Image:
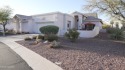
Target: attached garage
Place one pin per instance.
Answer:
(41, 24)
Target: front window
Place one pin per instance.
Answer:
(69, 25)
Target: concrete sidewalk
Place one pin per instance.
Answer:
(34, 60)
(9, 60)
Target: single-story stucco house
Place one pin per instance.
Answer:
(117, 24)
(88, 24)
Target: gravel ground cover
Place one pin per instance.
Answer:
(84, 54)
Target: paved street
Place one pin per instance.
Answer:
(9, 60)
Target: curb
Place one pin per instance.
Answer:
(34, 60)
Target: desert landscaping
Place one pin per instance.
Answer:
(85, 54)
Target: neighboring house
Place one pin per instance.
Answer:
(85, 22)
(117, 24)
(10, 25)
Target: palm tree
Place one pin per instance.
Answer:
(4, 17)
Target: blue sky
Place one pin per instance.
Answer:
(31, 7)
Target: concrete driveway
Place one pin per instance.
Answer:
(9, 60)
(13, 62)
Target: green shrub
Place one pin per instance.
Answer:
(124, 35)
(40, 37)
(1, 33)
(34, 37)
(117, 34)
(25, 32)
(38, 41)
(51, 37)
(115, 37)
(72, 35)
(10, 32)
(50, 29)
(27, 39)
(110, 30)
(55, 44)
(18, 32)
(105, 26)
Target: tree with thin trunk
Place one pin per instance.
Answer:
(113, 8)
(5, 13)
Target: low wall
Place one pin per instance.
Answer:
(89, 33)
